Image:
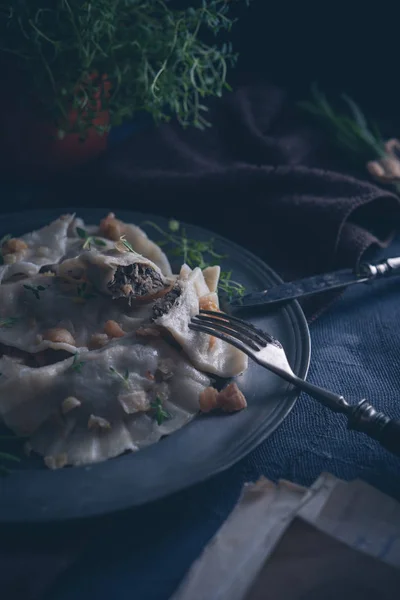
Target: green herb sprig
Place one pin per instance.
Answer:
(160, 414)
(350, 130)
(123, 376)
(195, 254)
(230, 287)
(83, 292)
(35, 289)
(125, 243)
(8, 321)
(77, 364)
(124, 56)
(5, 456)
(89, 239)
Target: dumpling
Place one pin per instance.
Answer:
(106, 295)
(211, 277)
(189, 294)
(47, 312)
(67, 237)
(84, 237)
(110, 231)
(118, 274)
(142, 244)
(138, 239)
(24, 256)
(101, 403)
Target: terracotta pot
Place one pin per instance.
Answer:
(29, 143)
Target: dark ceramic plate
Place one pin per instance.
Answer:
(208, 445)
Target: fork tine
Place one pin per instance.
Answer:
(255, 334)
(253, 340)
(266, 337)
(222, 336)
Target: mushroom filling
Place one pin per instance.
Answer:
(163, 305)
(136, 280)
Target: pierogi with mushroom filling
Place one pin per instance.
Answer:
(127, 275)
(65, 237)
(87, 409)
(24, 256)
(49, 312)
(112, 232)
(174, 311)
(114, 229)
(96, 353)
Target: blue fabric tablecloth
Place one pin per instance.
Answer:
(143, 554)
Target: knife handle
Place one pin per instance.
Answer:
(390, 266)
(363, 417)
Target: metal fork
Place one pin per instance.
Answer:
(269, 353)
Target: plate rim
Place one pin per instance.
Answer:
(302, 338)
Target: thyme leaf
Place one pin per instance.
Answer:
(196, 253)
(92, 240)
(173, 225)
(126, 243)
(83, 292)
(5, 456)
(82, 233)
(123, 376)
(8, 322)
(350, 129)
(35, 289)
(231, 288)
(160, 414)
(77, 364)
(89, 239)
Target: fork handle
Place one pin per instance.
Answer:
(363, 417)
(360, 417)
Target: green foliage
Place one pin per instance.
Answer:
(350, 129)
(196, 254)
(124, 377)
(77, 363)
(89, 239)
(160, 414)
(136, 55)
(8, 321)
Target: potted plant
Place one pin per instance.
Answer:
(75, 68)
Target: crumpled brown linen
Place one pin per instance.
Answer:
(258, 176)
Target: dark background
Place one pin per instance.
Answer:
(347, 47)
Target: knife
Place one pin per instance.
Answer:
(309, 286)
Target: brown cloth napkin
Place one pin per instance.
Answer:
(258, 177)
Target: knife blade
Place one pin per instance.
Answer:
(316, 284)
